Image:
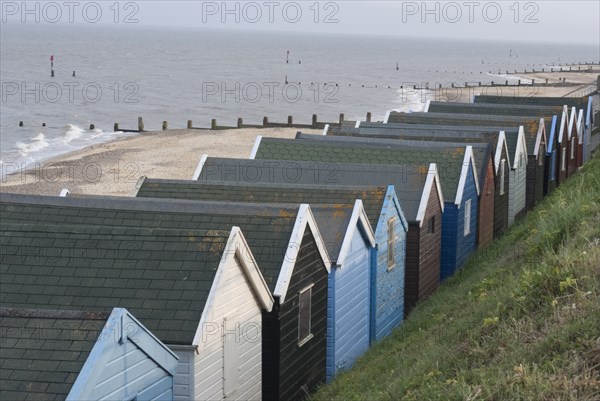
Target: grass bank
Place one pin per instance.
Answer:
(521, 321)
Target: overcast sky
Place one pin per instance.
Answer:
(549, 21)
(537, 21)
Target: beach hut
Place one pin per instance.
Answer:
(198, 290)
(517, 156)
(484, 162)
(73, 355)
(381, 203)
(534, 132)
(583, 103)
(571, 147)
(578, 135)
(350, 240)
(420, 197)
(551, 114)
(448, 134)
(289, 252)
(459, 181)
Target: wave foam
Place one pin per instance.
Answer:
(72, 132)
(35, 144)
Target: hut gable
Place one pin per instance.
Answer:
(77, 353)
(159, 263)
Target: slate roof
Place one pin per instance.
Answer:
(162, 275)
(418, 132)
(579, 102)
(407, 179)
(43, 351)
(495, 109)
(530, 124)
(442, 132)
(333, 221)
(368, 151)
(482, 149)
(267, 229)
(372, 197)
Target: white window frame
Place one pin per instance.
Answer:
(467, 221)
(302, 341)
(563, 160)
(391, 244)
(502, 175)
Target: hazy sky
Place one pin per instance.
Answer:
(540, 21)
(553, 21)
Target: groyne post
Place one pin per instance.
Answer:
(265, 121)
(314, 121)
(189, 124)
(368, 116)
(240, 122)
(213, 123)
(290, 120)
(165, 125)
(116, 127)
(341, 118)
(140, 124)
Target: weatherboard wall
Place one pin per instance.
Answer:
(487, 199)
(501, 200)
(228, 364)
(288, 368)
(423, 254)
(456, 246)
(518, 188)
(389, 281)
(126, 362)
(348, 307)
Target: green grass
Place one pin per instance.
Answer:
(521, 321)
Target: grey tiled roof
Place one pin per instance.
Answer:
(369, 151)
(43, 351)
(579, 102)
(372, 197)
(266, 228)
(530, 124)
(333, 221)
(408, 179)
(482, 149)
(495, 109)
(162, 275)
(440, 132)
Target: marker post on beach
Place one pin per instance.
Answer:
(52, 66)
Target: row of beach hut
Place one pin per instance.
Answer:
(263, 278)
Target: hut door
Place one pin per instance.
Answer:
(231, 353)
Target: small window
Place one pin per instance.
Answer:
(391, 260)
(502, 175)
(304, 316)
(431, 225)
(573, 148)
(563, 159)
(468, 217)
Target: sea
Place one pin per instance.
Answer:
(104, 75)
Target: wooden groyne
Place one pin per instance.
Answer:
(266, 123)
